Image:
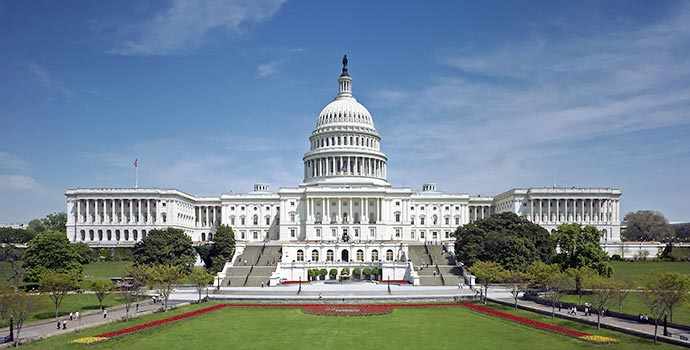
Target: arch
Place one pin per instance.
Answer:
(135, 235)
(126, 235)
(100, 235)
(109, 235)
(314, 255)
(143, 234)
(345, 255)
(374, 255)
(389, 255)
(117, 235)
(300, 255)
(203, 236)
(255, 220)
(210, 236)
(360, 255)
(91, 235)
(83, 235)
(329, 255)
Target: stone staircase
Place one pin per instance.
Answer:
(434, 266)
(254, 266)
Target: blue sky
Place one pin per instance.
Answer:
(213, 96)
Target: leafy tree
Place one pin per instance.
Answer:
(366, 272)
(332, 274)
(57, 285)
(201, 279)
(15, 235)
(165, 247)
(136, 278)
(50, 251)
(312, 273)
(507, 239)
(15, 305)
(675, 288)
(647, 225)
(682, 232)
(579, 275)
(603, 291)
(164, 278)
(13, 255)
(550, 278)
(345, 273)
(487, 272)
(654, 296)
(36, 226)
(356, 273)
(539, 274)
(101, 288)
(84, 253)
(623, 289)
(322, 274)
(223, 247)
(56, 222)
(579, 247)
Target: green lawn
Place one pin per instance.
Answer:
(442, 328)
(639, 272)
(106, 269)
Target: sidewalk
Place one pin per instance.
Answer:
(623, 325)
(47, 328)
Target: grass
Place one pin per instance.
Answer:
(106, 269)
(634, 305)
(639, 271)
(433, 328)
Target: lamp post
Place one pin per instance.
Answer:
(299, 290)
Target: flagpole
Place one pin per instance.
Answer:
(136, 177)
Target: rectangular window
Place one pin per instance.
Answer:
(447, 234)
(412, 234)
(318, 232)
(356, 232)
(372, 232)
(397, 233)
(242, 234)
(334, 232)
(292, 232)
(255, 235)
(421, 234)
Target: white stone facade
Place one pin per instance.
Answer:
(345, 200)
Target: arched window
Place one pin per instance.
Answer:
(268, 220)
(447, 220)
(100, 235)
(91, 235)
(143, 234)
(314, 255)
(345, 218)
(242, 220)
(397, 216)
(255, 220)
(126, 235)
(117, 235)
(232, 220)
(135, 235)
(300, 255)
(412, 220)
(374, 255)
(203, 236)
(360, 255)
(435, 219)
(421, 220)
(329, 255)
(109, 235)
(389, 255)
(83, 235)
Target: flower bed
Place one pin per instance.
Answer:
(347, 310)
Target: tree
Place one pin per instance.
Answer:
(13, 255)
(56, 222)
(647, 225)
(322, 274)
(136, 278)
(366, 273)
(623, 289)
(164, 278)
(487, 272)
(356, 273)
(15, 235)
(549, 278)
(603, 291)
(57, 285)
(101, 288)
(676, 287)
(15, 305)
(201, 279)
(50, 251)
(223, 248)
(345, 273)
(506, 238)
(332, 274)
(579, 275)
(165, 247)
(579, 246)
(518, 283)
(84, 253)
(654, 297)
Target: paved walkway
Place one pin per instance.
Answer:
(646, 328)
(47, 328)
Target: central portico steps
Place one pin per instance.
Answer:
(434, 267)
(254, 266)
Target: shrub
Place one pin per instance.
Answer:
(616, 257)
(322, 274)
(366, 272)
(345, 273)
(332, 274)
(356, 273)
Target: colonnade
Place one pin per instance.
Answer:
(347, 210)
(116, 211)
(207, 215)
(345, 166)
(479, 212)
(582, 210)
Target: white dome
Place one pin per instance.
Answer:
(345, 110)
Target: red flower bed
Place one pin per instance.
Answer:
(526, 321)
(347, 310)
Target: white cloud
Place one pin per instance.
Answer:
(47, 81)
(11, 163)
(186, 23)
(18, 183)
(266, 70)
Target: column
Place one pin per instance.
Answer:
(366, 210)
(326, 211)
(339, 219)
(138, 211)
(591, 210)
(531, 210)
(350, 216)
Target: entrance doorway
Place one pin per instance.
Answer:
(345, 256)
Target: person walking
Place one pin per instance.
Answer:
(137, 307)
(71, 316)
(58, 324)
(76, 315)
(105, 313)
(64, 324)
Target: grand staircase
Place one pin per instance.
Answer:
(254, 266)
(434, 267)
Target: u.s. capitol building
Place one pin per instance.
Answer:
(344, 213)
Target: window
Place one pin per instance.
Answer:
(83, 235)
(457, 220)
(318, 232)
(374, 255)
(412, 234)
(135, 235)
(300, 255)
(243, 234)
(203, 236)
(232, 220)
(292, 233)
(255, 235)
(292, 217)
(372, 232)
(447, 234)
(397, 217)
(126, 235)
(255, 220)
(334, 232)
(329, 255)
(447, 220)
(411, 220)
(360, 255)
(421, 234)
(434, 235)
(356, 232)
(314, 255)
(210, 236)
(397, 233)
(435, 219)
(109, 234)
(389, 255)
(268, 220)
(242, 220)
(421, 220)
